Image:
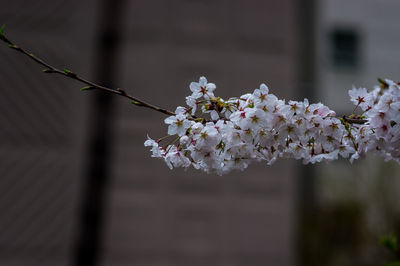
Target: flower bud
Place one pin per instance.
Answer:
(184, 140)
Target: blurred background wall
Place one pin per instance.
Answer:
(77, 187)
(43, 131)
(356, 42)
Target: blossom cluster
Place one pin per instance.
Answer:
(217, 135)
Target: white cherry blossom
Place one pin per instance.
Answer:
(178, 124)
(362, 98)
(202, 89)
(260, 127)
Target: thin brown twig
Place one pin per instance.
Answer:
(93, 86)
(90, 85)
(354, 120)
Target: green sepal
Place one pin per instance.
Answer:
(2, 36)
(383, 83)
(135, 102)
(13, 46)
(2, 29)
(69, 72)
(86, 88)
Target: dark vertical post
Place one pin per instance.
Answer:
(306, 71)
(307, 46)
(88, 244)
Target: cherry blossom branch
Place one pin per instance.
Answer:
(354, 120)
(217, 135)
(90, 85)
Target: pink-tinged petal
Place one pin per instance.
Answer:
(208, 95)
(180, 110)
(211, 87)
(172, 129)
(149, 142)
(202, 82)
(214, 115)
(194, 86)
(264, 88)
(181, 131)
(197, 94)
(170, 120)
(187, 123)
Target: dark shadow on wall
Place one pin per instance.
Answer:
(101, 135)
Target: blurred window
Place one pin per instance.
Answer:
(345, 47)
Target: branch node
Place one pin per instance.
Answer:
(121, 91)
(15, 47)
(69, 73)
